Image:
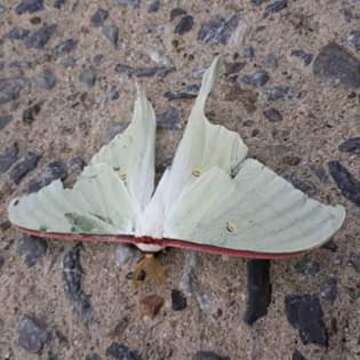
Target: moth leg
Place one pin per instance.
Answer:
(149, 268)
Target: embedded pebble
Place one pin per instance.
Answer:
(26, 165)
(46, 80)
(8, 157)
(232, 69)
(351, 145)
(111, 32)
(354, 39)
(99, 17)
(178, 300)
(2, 262)
(304, 313)
(65, 47)
(53, 171)
(58, 4)
(88, 77)
(247, 97)
(303, 55)
(328, 290)
(17, 33)
(169, 119)
(151, 305)
(355, 262)
(258, 78)
(271, 62)
(174, 13)
(335, 63)
(92, 356)
(33, 334)
(154, 6)
(218, 30)
(279, 92)
(5, 120)
(30, 113)
(208, 355)
(39, 38)
(275, 7)
(130, 3)
(72, 276)
(189, 92)
(118, 351)
(125, 254)
(297, 355)
(259, 290)
(160, 71)
(10, 88)
(31, 248)
(29, 6)
(307, 266)
(345, 181)
(273, 115)
(185, 24)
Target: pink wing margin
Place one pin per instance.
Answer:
(180, 244)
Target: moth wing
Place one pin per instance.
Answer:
(203, 144)
(132, 153)
(257, 211)
(99, 203)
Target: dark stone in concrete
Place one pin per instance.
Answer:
(8, 157)
(185, 24)
(29, 6)
(178, 300)
(118, 351)
(27, 164)
(31, 248)
(5, 120)
(39, 38)
(351, 145)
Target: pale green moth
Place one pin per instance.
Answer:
(211, 198)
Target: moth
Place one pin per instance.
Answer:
(212, 198)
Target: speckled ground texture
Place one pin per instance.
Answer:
(291, 88)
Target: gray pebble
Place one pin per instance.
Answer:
(33, 334)
(258, 78)
(5, 120)
(271, 62)
(130, 3)
(2, 8)
(345, 181)
(335, 63)
(232, 69)
(307, 266)
(118, 351)
(185, 24)
(8, 157)
(26, 165)
(2, 262)
(75, 165)
(30, 113)
(249, 52)
(178, 300)
(279, 92)
(274, 7)
(258, 2)
(328, 290)
(10, 88)
(218, 30)
(304, 313)
(93, 356)
(29, 6)
(31, 248)
(17, 33)
(273, 115)
(125, 254)
(176, 12)
(189, 92)
(351, 145)
(39, 38)
(114, 93)
(65, 47)
(88, 77)
(46, 80)
(355, 262)
(72, 276)
(58, 4)
(208, 355)
(169, 119)
(111, 32)
(154, 6)
(53, 171)
(303, 55)
(297, 355)
(354, 39)
(160, 71)
(99, 17)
